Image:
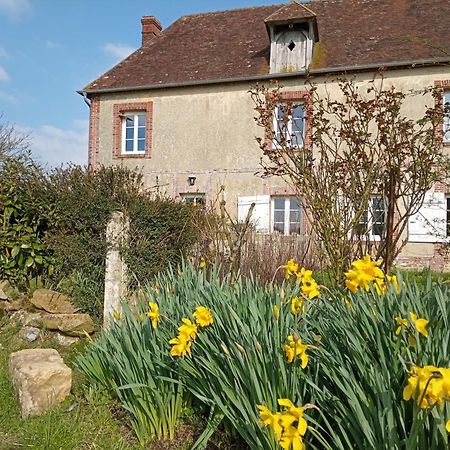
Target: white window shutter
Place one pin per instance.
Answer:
(430, 222)
(261, 212)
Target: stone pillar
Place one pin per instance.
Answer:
(115, 271)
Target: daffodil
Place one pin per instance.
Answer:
(153, 314)
(116, 315)
(420, 324)
(181, 345)
(291, 437)
(290, 268)
(202, 263)
(203, 316)
(296, 348)
(271, 420)
(362, 273)
(402, 323)
(310, 289)
(188, 328)
(297, 305)
(392, 280)
(447, 426)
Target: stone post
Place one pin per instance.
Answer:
(115, 269)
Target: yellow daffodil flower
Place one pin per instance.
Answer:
(290, 268)
(153, 314)
(296, 348)
(188, 328)
(297, 305)
(203, 316)
(392, 280)
(420, 324)
(202, 263)
(116, 315)
(310, 289)
(447, 426)
(402, 323)
(181, 345)
(270, 420)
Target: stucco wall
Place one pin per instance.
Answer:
(209, 132)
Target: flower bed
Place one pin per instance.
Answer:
(288, 367)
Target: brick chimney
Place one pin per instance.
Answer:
(151, 27)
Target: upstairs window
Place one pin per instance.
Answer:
(289, 126)
(286, 215)
(134, 129)
(446, 130)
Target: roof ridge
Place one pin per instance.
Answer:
(236, 9)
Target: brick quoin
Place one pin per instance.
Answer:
(119, 110)
(94, 132)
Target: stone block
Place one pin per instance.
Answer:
(52, 302)
(72, 324)
(40, 379)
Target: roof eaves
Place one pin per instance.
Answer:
(273, 76)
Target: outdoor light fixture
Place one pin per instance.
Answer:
(191, 180)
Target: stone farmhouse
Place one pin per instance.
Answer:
(178, 108)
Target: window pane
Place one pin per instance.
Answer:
(141, 133)
(142, 118)
(295, 216)
(295, 204)
(129, 146)
(279, 227)
(129, 133)
(294, 228)
(141, 145)
(130, 121)
(279, 216)
(279, 203)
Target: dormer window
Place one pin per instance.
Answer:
(291, 48)
(293, 31)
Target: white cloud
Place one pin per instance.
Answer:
(4, 74)
(53, 146)
(15, 9)
(118, 51)
(50, 45)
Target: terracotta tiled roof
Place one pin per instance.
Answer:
(235, 43)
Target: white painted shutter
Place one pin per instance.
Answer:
(261, 212)
(430, 223)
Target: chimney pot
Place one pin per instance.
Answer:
(151, 27)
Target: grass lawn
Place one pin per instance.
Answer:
(91, 425)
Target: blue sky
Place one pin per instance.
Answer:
(49, 49)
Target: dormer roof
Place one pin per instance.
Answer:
(290, 13)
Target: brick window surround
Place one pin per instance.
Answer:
(443, 86)
(119, 110)
(304, 97)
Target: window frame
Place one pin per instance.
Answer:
(121, 110)
(446, 116)
(370, 221)
(287, 215)
(289, 125)
(187, 196)
(135, 115)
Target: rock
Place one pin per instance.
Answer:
(12, 305)
(6, 290)
(25, 318)
(40, 379)
(71, 324)
(65, 341)
(52, 302)
(29, 334)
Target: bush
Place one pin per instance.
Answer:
(160, 229)
(357, 371)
